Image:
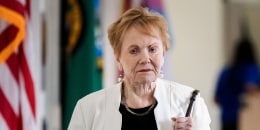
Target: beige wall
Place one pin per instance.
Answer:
(250, 14)
(197, 52)
(253, 15)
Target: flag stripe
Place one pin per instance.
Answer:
(20, 120)
(19, 21)
(7, 112)
(29, 122)
(12, 63)
(3, 125)
(9, 87)
(27, 8)
(28, 82)
(7, 36)
(13, 5)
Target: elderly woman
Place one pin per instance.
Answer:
(141, 100)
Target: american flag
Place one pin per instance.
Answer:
(17, 89)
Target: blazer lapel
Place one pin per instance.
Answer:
(165, 109)
(113, 118)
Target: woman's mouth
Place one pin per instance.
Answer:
(145, 70)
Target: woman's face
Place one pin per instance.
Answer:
(141, 56)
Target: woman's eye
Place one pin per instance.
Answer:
(153, 50)
(133, 51)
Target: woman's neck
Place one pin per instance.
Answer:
(138, 95)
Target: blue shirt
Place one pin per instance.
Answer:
(230, 87)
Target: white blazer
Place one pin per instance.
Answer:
(100, 110)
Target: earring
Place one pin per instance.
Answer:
(121, 76)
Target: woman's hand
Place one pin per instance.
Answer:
(182, 123)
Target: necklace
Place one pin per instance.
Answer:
(140, 114)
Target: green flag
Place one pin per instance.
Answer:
(82, 74)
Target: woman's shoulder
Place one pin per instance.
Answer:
(92, 106)
(179, 94)
(176, 86)
(177, 89)
(99, 96)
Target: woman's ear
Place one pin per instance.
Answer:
(119, 65)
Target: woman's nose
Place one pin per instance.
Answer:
(145, 58)
(145, 61)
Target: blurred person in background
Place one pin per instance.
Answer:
(141, 100)
(235, 80)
